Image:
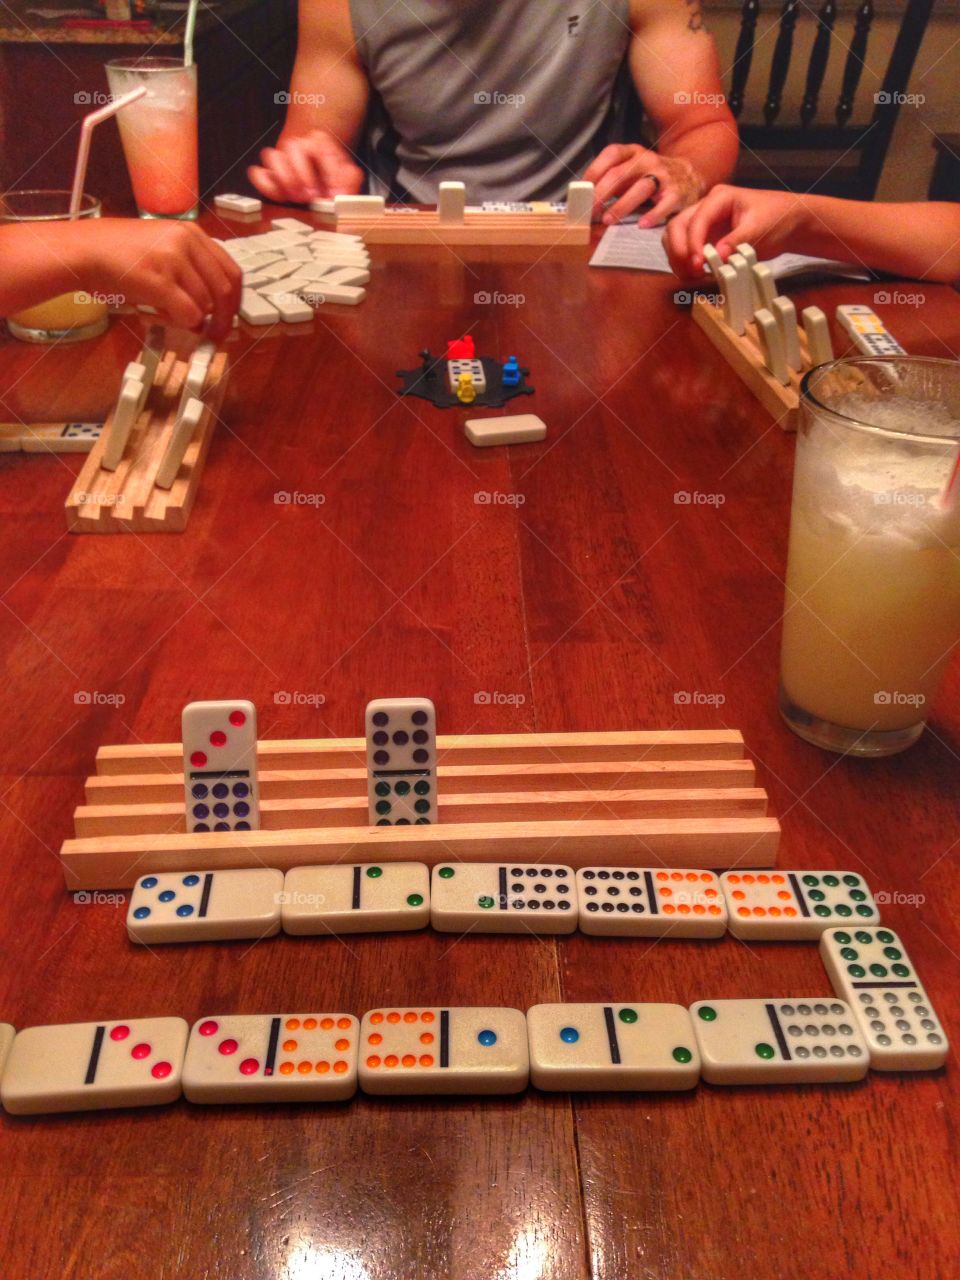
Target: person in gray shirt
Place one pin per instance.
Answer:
(510, 97)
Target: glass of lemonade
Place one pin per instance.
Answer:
(70, 316)
(159, 134)
(872, 609)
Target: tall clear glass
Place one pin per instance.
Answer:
(872, 610)
(159, 134)
(69, 317)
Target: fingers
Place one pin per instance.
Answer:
(223, 280)
(639, 193)
(710, 220)
(671, 199)
(615, 169)
(192, 283)
(315, 166)
(266, 183)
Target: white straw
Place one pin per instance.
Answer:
(188, 33)
(86, 132)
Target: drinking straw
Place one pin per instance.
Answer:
(90, 122)
(188, 33)
(947, 495)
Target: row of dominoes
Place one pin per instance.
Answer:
(451, 207)
(49, 437)
(480, 897)
(293, 268)
(881, 1018)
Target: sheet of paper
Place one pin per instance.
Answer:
(641, 249)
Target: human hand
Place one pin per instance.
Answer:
(728, 216)
(640, 176)
(171, 266)
(314, 166)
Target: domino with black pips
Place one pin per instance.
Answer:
(872, 970)
(364, 898)
(650, 902)
(487, 897)
(774, 905)
(457, 368)
(444, 1051)
(870, 335)
(59, 437)
(401, 736)
(612, 1047)
(272, 1057)
(220, 766)
(205, 906)
(92, 1066)
(808, 1040)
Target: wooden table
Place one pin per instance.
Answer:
(591, 599)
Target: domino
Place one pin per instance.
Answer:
(457, 368)
(871, 969)
(152, 353)
(715, 263)
(298, 253)
(257, 310)
(66, 437)
(785, 314)
(730, 292)
(292, 308)
(817, 329)
(184, 429)
(650, 902)
(519, 428)
(451, 202)
(267, 275)
(343, 295)
(771, 343)
(356, 276)
(364, 898)
(417, 1051)
(612, 1047)
(196, 378)
(7, 1034)
(870, 335)
(800, 1041)
(401, 761)
(347, 207)
(766, 286)
(337, 238)
(205, 906)
(220, 766)
(128, 408)
(237, 204)
(749, 256)
(580, 197)
(322, 206)
(743, 286)
(770, 905)
(272, 1057)
(91, 1066)
(484, 897)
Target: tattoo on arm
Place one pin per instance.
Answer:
(696, 21)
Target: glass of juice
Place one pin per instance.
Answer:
(159, 134)
(70, 316)
(872, 609)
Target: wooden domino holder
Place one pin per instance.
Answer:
(745, 356)
(423, 226)
(675, 798)
(144, 507)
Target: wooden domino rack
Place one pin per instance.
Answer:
(423, 226)
(745, 355)
(128, 499)
(677, 798)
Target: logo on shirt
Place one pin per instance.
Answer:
(573, 24)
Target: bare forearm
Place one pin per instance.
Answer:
(40, 262)
(921, 241)
(710, 148)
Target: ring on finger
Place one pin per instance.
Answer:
(652, 177)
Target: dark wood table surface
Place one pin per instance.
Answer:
(591, 598)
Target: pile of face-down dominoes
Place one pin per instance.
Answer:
(294, 268)
(880, 1017)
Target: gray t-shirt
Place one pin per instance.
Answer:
(508, 96)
